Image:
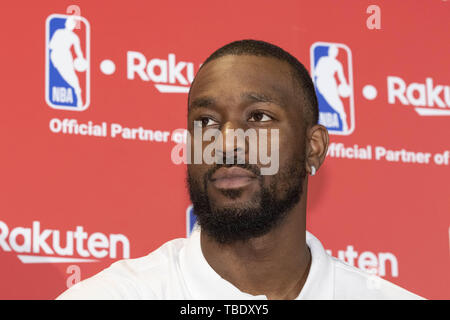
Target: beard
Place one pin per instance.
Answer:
(253, 218)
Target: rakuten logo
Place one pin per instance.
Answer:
(369, 261)
(36, 242)
(435, 98)
(169, 76)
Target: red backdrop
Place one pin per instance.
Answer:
(103, 198)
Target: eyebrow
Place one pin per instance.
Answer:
(258, 97)
(204, 102)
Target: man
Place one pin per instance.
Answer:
(251, 242)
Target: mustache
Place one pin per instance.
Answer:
(250, 167)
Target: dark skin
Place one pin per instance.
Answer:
(245, 92)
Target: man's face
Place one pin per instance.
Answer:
(235, 202)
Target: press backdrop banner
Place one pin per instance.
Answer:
(94, 99)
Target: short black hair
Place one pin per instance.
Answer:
(265, 49)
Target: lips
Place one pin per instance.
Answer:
(232, 178)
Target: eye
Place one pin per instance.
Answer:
(205, 122)
(260, 117)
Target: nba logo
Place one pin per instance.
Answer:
(191, 220)
(331, 71)
(67, 62)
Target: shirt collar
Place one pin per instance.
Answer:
(319, 284)
(204, 283)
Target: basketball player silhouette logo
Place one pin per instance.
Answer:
(333, 83)
(64, 68)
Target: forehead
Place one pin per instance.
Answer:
(229, 76)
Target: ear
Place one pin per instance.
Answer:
(316, 146)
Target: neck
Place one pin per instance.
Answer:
(274, 265)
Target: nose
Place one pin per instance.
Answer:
(232, 148)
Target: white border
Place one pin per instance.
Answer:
(350, 80)
(88, 59)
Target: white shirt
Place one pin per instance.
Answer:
(178, 270)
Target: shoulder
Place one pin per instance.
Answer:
(140, 278)
(356, 284)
